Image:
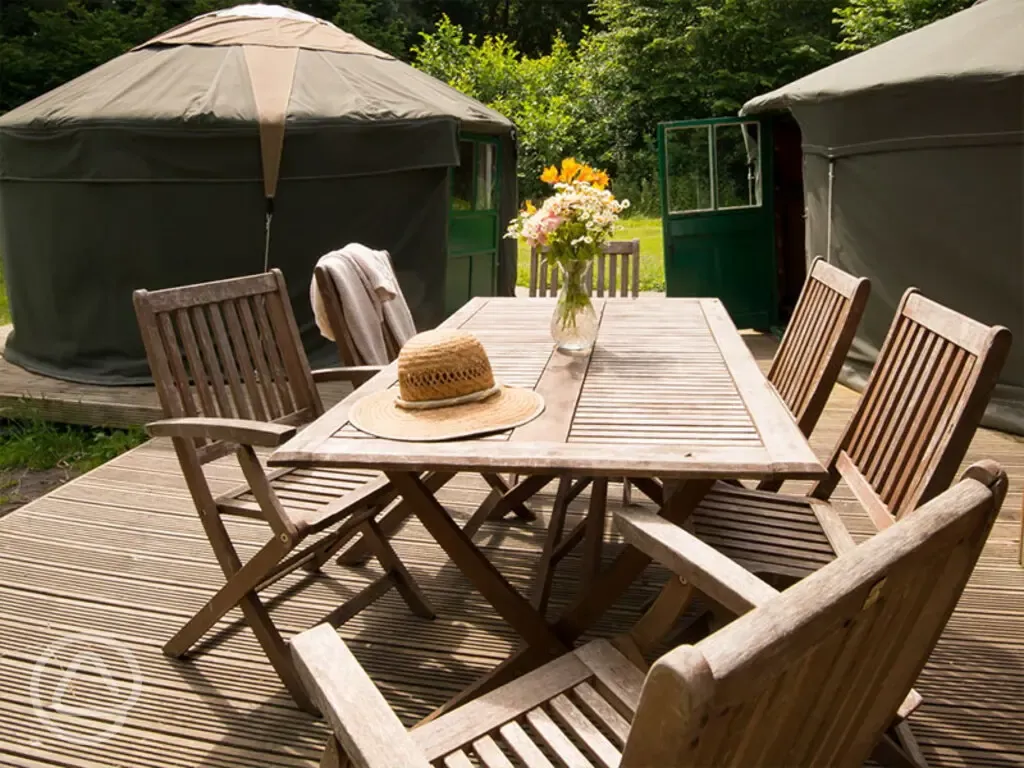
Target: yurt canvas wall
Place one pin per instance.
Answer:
(914, 175)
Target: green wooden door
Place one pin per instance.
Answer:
(473, 226)
(717, 218)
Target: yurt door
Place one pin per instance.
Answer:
(473, 234)
(717, 220)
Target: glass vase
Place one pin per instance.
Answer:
(574, 322)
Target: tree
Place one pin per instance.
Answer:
(866, 23)
(556, 99)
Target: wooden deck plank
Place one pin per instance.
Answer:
(25, 393)
(119, 553)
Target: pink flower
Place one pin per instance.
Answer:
(552, 222)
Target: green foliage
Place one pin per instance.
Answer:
(553, 99)
(683, 59)
(30, 443)
(45, 44)
(5, 310)
(866, 23)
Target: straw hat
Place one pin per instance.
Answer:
(445, 390)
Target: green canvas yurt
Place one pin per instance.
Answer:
(913, 173)
(247, 138)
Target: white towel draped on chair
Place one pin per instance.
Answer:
(370, 296)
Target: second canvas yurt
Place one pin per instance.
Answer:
(914, 174)
(247, 138)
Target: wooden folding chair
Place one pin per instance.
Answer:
(818, 337)
(616, 271)
(347, 352)
(811, 676)
(804, 371)
(231, 374)
(902, 446)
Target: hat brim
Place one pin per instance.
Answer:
(380, 416)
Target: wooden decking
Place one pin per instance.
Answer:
(26, 393)
(118, 554)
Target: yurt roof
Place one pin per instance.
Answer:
(982, 43)
(230, 67)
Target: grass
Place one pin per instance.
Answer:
(33, 444)
(652, 262)
(5, 312)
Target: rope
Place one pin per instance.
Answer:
(828, 226)
(266, 243)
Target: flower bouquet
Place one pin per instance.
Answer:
(570, 227)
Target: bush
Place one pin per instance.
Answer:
(558, 101)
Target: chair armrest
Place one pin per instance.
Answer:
(711, 572)
(241, 431)
(368, 730)
(357, 374)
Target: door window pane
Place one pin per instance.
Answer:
(738, 166)
(486, 177)
(462, 178)
(688, 168)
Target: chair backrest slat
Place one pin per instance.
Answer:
(246, 368)
(227, 355)
(227, 349)
(816, 341)
(200, 377)
(212, 362)
(616, 270)
(280, 376)
(300, 377)
(815, 675)
(921, 406)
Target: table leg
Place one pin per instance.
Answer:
(546, 565)
(506, 601)
(680, 501)
(593, 537)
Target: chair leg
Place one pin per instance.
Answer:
(334, 756)
(257, 618)
(391, 522)
(890, 752)
(593, 537)
(518, 506)
(404, 582)
(627, 492)
(546, 567)
(657, 623)
(906, 739)
(329, 548)
(239, 584)
(259, 621)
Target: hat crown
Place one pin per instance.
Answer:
(442, 364)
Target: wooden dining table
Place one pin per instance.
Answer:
(670, 397)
